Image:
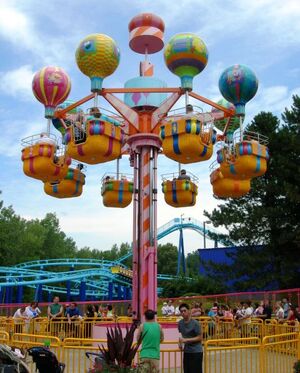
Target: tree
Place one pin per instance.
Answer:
(167, 259)
(267, 219)
(198, 285)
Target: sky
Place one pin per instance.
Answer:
(262, 34)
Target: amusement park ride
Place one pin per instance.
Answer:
(144, 128)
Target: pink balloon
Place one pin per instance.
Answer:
(51, 86)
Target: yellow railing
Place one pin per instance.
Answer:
(232, 355)
(4, 337)
(272, 354)
(279, 353)
(83, 327)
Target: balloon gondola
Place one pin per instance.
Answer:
(244, 159)
(224, 187)
(43, 158)
(186, 138)
(70, 186)
(180, 191)
(117, 190)
(94, 141)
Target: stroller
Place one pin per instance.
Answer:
(46, 360)
(11, 361)
(97, 361)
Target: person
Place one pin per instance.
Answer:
(55, 312)
(279, 313)
(190, 341)
(227, 312)
(189, 109)
(152, 335)
(183, 175)
(19, 317)
(164, 309)
(79, 166)
(267, 311)
(212, 313)
(291, 317)
(196, 310)
(285, 306)
(177, 312)
(46, 139)
(33, 310)
(170, 309)
(94, 113)
(72, 312)
(259, 310)
(55, 309)
(91, 311)
(110, 312)
(129, 310)
(73, 315)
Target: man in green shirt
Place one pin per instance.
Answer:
(55, 309)
(152, 337)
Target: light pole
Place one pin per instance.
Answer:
(204, 232)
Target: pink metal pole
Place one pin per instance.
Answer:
(135, 262)
(145, 148)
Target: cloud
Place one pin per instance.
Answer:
(17, 83)
(20, 28)
(16, 27)
(272, 99)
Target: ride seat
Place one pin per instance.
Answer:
(40, 162)
(180, 192)
(185, 141)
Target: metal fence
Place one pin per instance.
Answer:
(272, 354)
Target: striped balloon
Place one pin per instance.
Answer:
(186, 56)
(51, 86)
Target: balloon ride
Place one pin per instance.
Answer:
(142, 126)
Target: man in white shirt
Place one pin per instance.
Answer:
(164, 309)
(248, 313)
(170, 309)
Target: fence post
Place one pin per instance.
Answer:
(205, 357)
(262, 367)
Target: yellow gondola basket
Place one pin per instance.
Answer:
(70, 186)
(180, 193)
(40, 162)
(100, 142)
(117, 193)
(185, 140)
(228, 188)
(248, 161)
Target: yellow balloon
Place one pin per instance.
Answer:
(97, 56)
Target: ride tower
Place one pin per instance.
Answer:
(146, 129)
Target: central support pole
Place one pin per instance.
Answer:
(145, 148)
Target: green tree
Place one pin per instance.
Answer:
(167, 259)
(267, 219)
(192, 263)
(198, 285)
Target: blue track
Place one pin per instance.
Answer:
(95, 276)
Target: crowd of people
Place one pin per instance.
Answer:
(242, 312)
(190, 334)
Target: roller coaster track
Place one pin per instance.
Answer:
(96, 277)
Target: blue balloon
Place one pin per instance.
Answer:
(238, 84)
